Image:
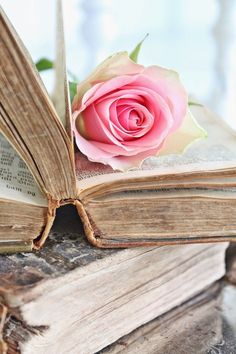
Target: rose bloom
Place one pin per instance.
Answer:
(124, 113)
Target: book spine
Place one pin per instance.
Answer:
(51, 214)
(89, 229)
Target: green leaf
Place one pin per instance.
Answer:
(191, 103)
(72, 89)
(44, 64)
(134, 54)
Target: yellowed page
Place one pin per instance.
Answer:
(29, 121)
(61, 97)
(16, 181)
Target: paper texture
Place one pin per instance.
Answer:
(61, 97)
(16, 181)
(29, 121)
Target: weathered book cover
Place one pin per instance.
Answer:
(72, 294)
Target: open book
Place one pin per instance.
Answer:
(173, 199)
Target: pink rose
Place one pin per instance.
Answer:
(124, 112)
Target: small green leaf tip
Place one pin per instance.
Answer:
(72, 89)
(135, 53)
(44, 64)
(191, 103)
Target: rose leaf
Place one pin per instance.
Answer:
(72, 89)
(135, 53)
(191, 103)
(44, 64)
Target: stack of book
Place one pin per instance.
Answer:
(72, 297)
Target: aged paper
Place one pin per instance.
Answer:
(16, 181)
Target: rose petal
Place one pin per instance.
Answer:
(160, 129)
(87, 147)
(169, 85)
(189, 132)
(100, 90)
(116, 65)
(126, 163)
(94, 127)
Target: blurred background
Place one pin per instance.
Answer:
(195, 37)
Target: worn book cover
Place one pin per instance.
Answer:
(71, 297)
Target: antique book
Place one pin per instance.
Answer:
(71, 297)
(171, 199)
(194, 327)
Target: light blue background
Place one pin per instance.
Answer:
(195, 37)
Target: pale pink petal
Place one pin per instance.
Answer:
(100, 90)
(90, 150)
(124, 163)
(94, 127)
(133, 129)
(189, 132)
(116, 65)
(148, 97)
(160, 129)
(169, 85)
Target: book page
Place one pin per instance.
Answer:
(16, 181)
(29, 120)
(217, 151)
(165, 193)
(61, 97)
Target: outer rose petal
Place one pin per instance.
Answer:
(86, 147)
(101, 89)
(169, 84)
(189, 132)
(116, 65)
(126, 163)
